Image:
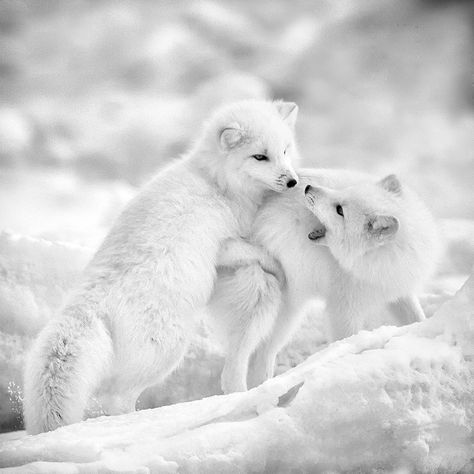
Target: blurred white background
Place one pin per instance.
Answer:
(95, 95)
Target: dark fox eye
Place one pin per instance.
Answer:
(260, 157)
(339, 210)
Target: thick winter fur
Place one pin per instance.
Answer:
(385, 242)
(127, 325)
(379, 253)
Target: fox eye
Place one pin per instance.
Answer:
(260, 157)
(339, 210)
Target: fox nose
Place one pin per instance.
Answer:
(307, 189)
(292, 183)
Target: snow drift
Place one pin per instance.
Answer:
(394, 398)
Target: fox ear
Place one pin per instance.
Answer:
(231, 136)
(391, 184)
(382, 227)
(288, 112)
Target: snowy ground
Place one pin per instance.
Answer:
(394, 399)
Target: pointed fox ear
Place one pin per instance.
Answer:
(391, 184)
(288, 112)
(231, 136)
(382, 227)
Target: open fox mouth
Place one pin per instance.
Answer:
(317, 233)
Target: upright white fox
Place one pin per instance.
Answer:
(127, 326)
(360, 244)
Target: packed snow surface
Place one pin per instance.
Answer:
(389, 399)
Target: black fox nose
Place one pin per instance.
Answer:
(306, 190)
(292, 183)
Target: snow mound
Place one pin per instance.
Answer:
(393, 398)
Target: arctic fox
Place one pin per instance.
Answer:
(384, 240)
(361, 245)
(127, 325)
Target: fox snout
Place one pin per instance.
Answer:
(312, 189)
(312, 194)
(291, 178)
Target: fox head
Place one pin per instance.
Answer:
(255, 145)
(357, 219)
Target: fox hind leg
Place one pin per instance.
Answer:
(157, 348)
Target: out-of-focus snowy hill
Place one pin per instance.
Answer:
(112, 90)
(394, 399)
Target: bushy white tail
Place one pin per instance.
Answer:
(62, 370)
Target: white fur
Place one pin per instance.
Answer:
(246, 296)
(128, 324)
(354, 272)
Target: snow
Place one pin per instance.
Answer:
(57, 206)
(392, 398)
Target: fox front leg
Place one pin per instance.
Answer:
(407, 310)
(234, 373)
(239, 252)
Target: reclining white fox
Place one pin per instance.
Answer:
(360, 244)
(128, 324)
